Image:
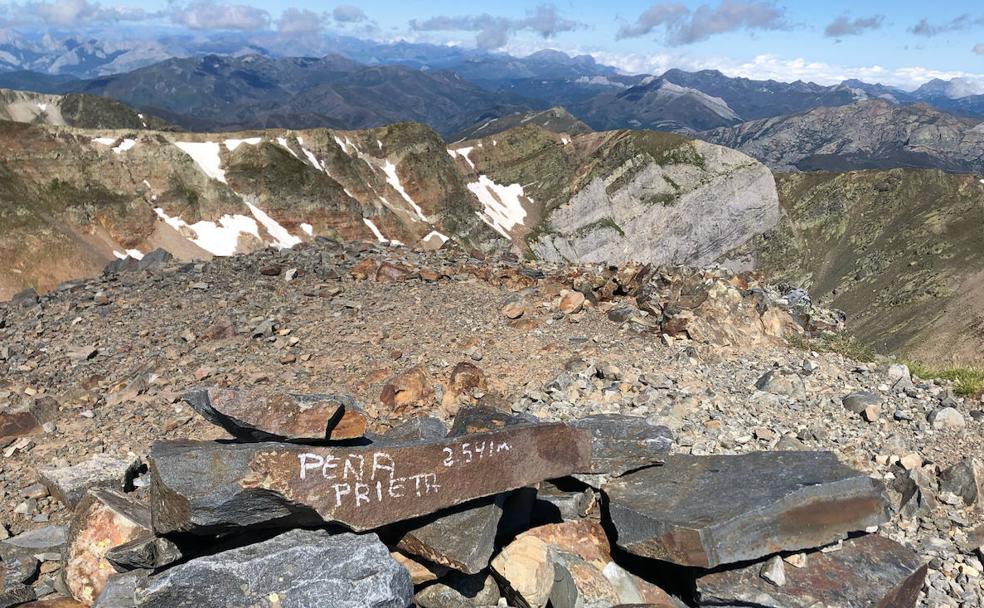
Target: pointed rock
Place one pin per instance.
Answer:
(298, 569)
(462, 539)
(706, 511)
(966, 480)
(273, 415)
(282, 485)
(525, 567)
(866, 571)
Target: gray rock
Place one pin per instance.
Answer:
(148, 552)
(555, 505)
(866, 571)
(298, 569)
(965, 479)
(40, 540)
(69, 484)
(710, 510)
(857, 402)
(419, 428)
(623, 443)
(777, 382)
(463, 539)
(947, 419)
(460, 591)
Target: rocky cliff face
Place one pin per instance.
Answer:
(868, 134)
(84, 111)
(899, 251)
(71, 200)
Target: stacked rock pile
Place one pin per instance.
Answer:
(306, 509)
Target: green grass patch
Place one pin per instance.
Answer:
(967, 381)
(847, 346)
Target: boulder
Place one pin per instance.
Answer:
(463, 539)
(69, 484)
(283, 485)
(417, 429)
(706, 511)
(789, 384)
(420, 572)
(857, 402)
(623, 443)
(406, 390)
(297, 569)
(145, 551)
(15, 573)
(865, 571)
(269, 414)
(103, 520)
(480, 418)
(40, 540)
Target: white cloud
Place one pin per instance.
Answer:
(65, 13)
(346, 13)
(300, 21)
(494, 32)
(683, 26)
(208, 15)
(765, 67)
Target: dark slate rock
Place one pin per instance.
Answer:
(463, 539)
(147, 552)
(555, 504)
(25, 299)
(15, 572)
(48, 539)
(155, 260)
(866, 571)
(418, 428)
(274, 415)
(623, 443)
(479, 418)
(710, 510)
(300, 568)
(856, 402)
(460, 591)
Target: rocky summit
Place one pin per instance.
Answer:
(353, 423)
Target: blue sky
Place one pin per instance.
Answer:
(901, 43)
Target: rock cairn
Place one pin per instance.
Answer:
(499, 510)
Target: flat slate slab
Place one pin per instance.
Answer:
(276, 415)
(207, 487)
(867, 571)
(622, 443)
(298, 569)
(710, 510)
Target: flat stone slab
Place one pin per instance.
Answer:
(622, 443)
(69, 484)
(276, 415)
(463, 539)
(710, 510)
(867, 571)
(207, 487)
(297, 569)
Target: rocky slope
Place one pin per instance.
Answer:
(868, 134)
(83, 111)
(556, 119)
(898, 250)
(105, 363)
(72, 199)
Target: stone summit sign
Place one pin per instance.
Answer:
(209, 487)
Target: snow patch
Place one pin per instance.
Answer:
(206, 155)
(375, 231)
(125, 145)
(282, 238)
(232, 144)
(43, 107)
(502, 208)
(394, 180)
(133, 253)
(308, 228)
(283, 142)
(220, 238)
(463, 153)
(437, 235)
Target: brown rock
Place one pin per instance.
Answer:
(408, 389)
(513, 308)
(364, 269)
(420, 572)
(270, 414)
(571, 302)
(391, 273)
(866, 571)
(465, 378)
(27, 418)
(271, 270)
(428, 275)
(103, 520)
(206, 487)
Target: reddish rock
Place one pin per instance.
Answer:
(103, 520)
(465, 378)
(27, 418)
(411, 388)
(391, 273)
(364, 269)
(571, 302)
